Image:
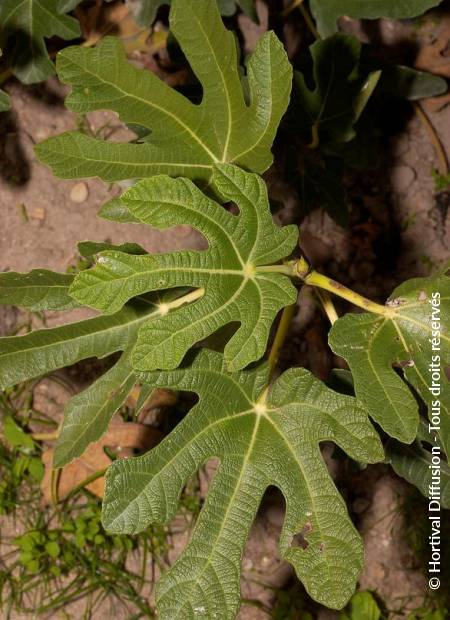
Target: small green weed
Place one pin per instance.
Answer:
(62, 554)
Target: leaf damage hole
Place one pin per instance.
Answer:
(299, 540)
(422, 296)
(406, 363)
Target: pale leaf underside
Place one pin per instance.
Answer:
(258, 443)
(87, 414)
(37, 290)
(186, 139)
(230, 275)
(373, 345)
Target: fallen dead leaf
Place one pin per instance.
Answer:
(125, 438)
(158, 399)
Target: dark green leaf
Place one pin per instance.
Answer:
(45, 350)
(408, 83)
(87, 415)
(415, 463)
(321, 185)
(24, 24)
(327, 12)
(326, 113)
(88, 249)
(144, 11)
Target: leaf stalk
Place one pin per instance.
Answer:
(313, 278)
(280, 336)
(302, 269)
(327, 305)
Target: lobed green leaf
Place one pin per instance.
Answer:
(230, 275)
(259, 443)
(375, 346)
(186, 139)
(44, 350)
(87, 414)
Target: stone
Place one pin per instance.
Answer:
(79, 193)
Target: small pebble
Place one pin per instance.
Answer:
(38, 213)
(79, 193)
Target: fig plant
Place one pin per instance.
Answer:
(188, 163)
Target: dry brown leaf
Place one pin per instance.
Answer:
(158, 399)
(117, 20)
(125, 438)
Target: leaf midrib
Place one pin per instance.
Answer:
(264, 131)
(220, 309)
(77, 337)
(225, 88)
(178, 120)
(148, 272)
(245, 459)
(305, 478)
(196, 438)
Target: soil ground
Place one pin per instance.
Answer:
(400, 228)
